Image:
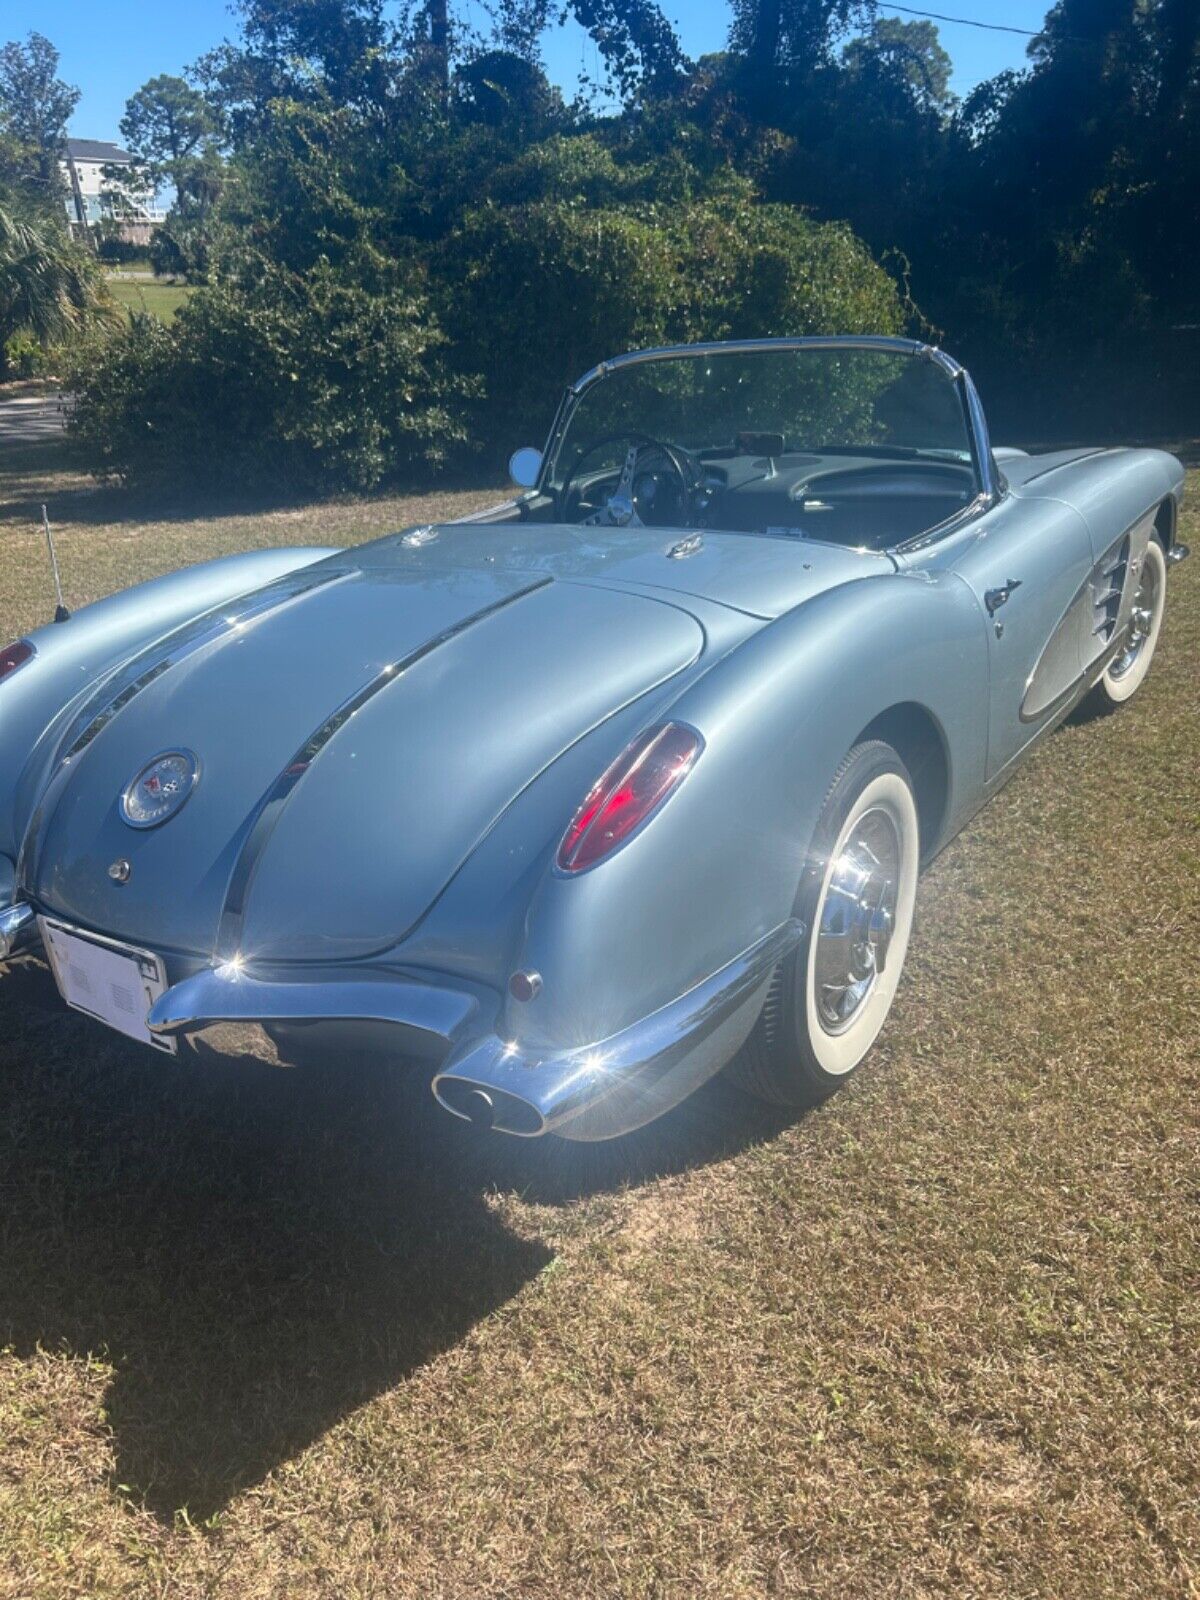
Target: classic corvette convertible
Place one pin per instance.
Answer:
(574, 803)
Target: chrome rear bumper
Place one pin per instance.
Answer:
(586, 1093)
(230, 1007)
(593, 1092)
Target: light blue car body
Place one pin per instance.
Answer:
(393, 738)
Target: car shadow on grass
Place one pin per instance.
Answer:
(259, 1252)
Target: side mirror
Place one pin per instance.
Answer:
(524, 466)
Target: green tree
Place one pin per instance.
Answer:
(35, 105)
(172, 132)
(504, 90)
(167, 123)
(793, 33)
(907, 58)
(351, 54)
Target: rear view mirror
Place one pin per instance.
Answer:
(524, 466)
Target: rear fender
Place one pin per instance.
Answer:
(718, 867)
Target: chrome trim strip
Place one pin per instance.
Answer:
(134, 677)
(724, 347)
(981, 444)
(941, 530)
(232, 994)
(266, 814)
(512, 504)
(1093, 670)
(599, 1091)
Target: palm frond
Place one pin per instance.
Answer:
(49, 287)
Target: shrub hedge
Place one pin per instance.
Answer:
(354, 356)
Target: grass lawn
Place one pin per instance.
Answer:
(162, 300)
(301, 1334)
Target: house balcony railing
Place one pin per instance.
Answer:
(133, 213)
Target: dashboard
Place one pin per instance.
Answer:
(862, 500)
(856, 500)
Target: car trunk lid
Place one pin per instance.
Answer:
(477, 678)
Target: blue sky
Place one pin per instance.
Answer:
(109, 50)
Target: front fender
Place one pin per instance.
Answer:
(718, 868)
(72, 656)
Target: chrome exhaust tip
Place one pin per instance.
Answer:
(488, 1107)
(600, 1091)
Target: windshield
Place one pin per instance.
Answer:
(867, 447)
(882, 403)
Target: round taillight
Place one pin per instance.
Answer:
(632, 789)
(14, 656)
(525, 985)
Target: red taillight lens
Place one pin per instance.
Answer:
(634, 786)
(15, 656)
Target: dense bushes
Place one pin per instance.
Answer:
(402, 270)
(534, 294)
(310, 382)
(364, 359)
(406, 240)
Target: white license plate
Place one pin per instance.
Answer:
(115, 983)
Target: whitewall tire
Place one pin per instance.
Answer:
(826, 1003)
(1125, 672)
(846, 1001)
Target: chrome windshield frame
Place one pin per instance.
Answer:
(989, 483)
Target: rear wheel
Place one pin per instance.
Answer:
(1123, 676)
(828, 1001)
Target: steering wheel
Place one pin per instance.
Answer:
(620, 510)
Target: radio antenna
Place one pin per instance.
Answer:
(61, 614)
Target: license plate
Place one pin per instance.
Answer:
(115, 983)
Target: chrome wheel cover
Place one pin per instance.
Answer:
(856, 919)
(1146, 604)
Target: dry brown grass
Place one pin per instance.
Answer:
(293, 1334)
(108, 540)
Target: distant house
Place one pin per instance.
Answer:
(96, 195)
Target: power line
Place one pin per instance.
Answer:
(967, 22)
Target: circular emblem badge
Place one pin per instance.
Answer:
(160, 789)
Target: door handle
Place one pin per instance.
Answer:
(993, 599)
